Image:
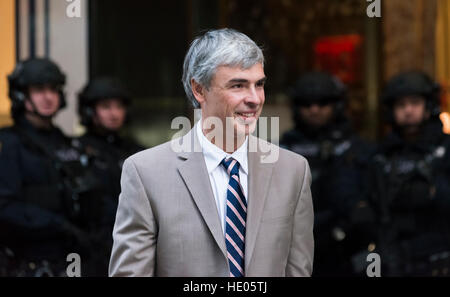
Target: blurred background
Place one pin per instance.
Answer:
(143, 43)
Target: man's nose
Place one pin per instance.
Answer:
(409, 108)
(254, 96)
(50, 94)
(116, 112)
(314, 108)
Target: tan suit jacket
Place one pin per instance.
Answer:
(167, 221)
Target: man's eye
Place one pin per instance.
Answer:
(260, 84)
(237, 86)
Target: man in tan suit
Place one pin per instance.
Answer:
(208, 204)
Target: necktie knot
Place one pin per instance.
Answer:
(231, 166)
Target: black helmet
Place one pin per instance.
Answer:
(412, 83)
(34, 71)
(317, 87)
(96, 90)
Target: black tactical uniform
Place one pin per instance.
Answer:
(48, 205)
(337, 158)
(109, 148)
(410, 189)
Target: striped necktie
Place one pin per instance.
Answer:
(235, 219)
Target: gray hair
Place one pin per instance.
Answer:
(224, 47)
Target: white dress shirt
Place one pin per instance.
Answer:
(218, 176)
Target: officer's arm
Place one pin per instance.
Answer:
(18, 219)
(10, 175)
(135, 230)
(301, 254)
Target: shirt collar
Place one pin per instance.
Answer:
(214, 155)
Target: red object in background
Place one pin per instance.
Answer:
(445, 96)
(339, 55)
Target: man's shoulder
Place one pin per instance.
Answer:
(290, 159)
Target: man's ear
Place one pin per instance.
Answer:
(92, 112)
(198, 90)
(28, 105)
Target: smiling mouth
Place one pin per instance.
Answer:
(246, 115)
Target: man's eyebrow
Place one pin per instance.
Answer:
(237, 80)
(243, 80)
(262, 80)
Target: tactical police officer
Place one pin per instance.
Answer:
(47, 205)
(103, 107)
(337, 158)
(410, 175)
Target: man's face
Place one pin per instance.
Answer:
(410, 112)
(316, 115)
(44, 98)
(235, 93)
(110, 114)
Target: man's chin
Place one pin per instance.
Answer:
(245, 130)
(48, 113)
(112, 128)
(410, 128)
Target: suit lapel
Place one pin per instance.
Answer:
(259, 176)
(195, 175)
